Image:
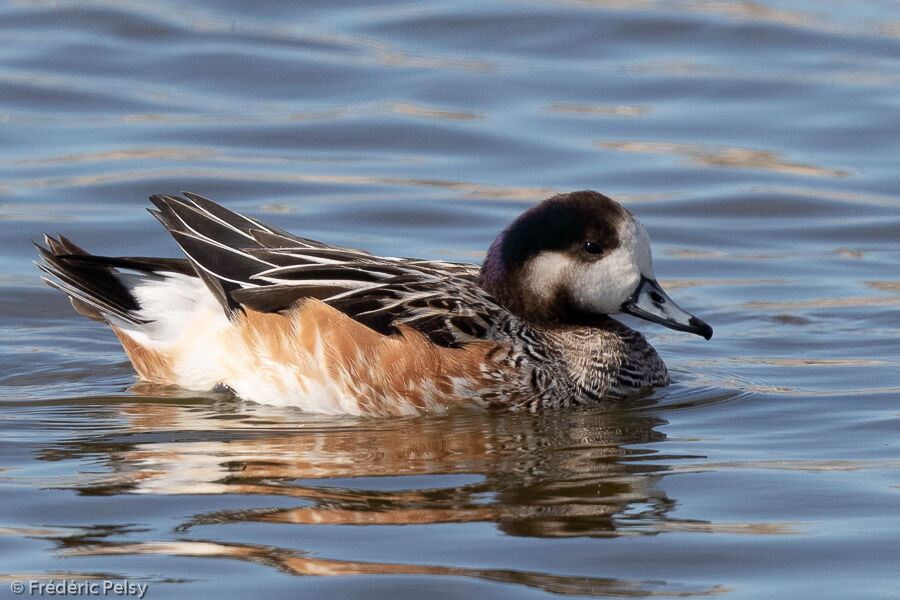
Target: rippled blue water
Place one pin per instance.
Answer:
(757, 141)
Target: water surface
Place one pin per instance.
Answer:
(756, 141)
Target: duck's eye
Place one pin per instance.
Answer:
(593, 248)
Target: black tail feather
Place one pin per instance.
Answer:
(136, 263)
(93, 287)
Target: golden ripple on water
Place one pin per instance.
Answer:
(813, 362)
(153, 153)
(40, 212)
(298, 562)
(710, 155)
(849, 253)
(36, 531)
(62, 575)
(703, 254)
(687, 526)
(794, 391)
(264, 117)
(759, 12)
(387, 55)
(418, 110)
(353, 48)
(750, 11)
(674, 284)
(888, 286)
(694, 253)
(787, 465)
(468, 255)
(314, 516)
(691, 253)
(472, 190)
(855, 301)
(258, 115)
(601, 110)
(826, 194)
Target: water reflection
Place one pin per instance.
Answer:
(300, 563)
(572, 473)
(575, 473)
(548, 475)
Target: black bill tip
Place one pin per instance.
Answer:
(701, 328)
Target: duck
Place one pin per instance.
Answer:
(278, 319)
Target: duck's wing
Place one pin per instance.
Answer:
(247, 263)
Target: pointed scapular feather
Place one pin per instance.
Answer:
(342, 272)
(275, 298)
(270, 239)
(203, 225)
(319, 255)
(281, 259)
(221, 261)
(240, 222)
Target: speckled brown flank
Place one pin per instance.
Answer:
(385, 374)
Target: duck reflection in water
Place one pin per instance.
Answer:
(569, 473)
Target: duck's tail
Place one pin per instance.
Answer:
(95, 285)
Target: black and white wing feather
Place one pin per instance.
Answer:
(247, 263)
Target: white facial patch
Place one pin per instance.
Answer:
(603, 285)
(640, 241)
(546, 272)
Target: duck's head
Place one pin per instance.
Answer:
(576, 257)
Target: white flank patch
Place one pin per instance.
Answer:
(188, 325)
(185, 322)
(170, 303)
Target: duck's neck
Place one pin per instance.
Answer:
(606, 358)
(549, 308)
